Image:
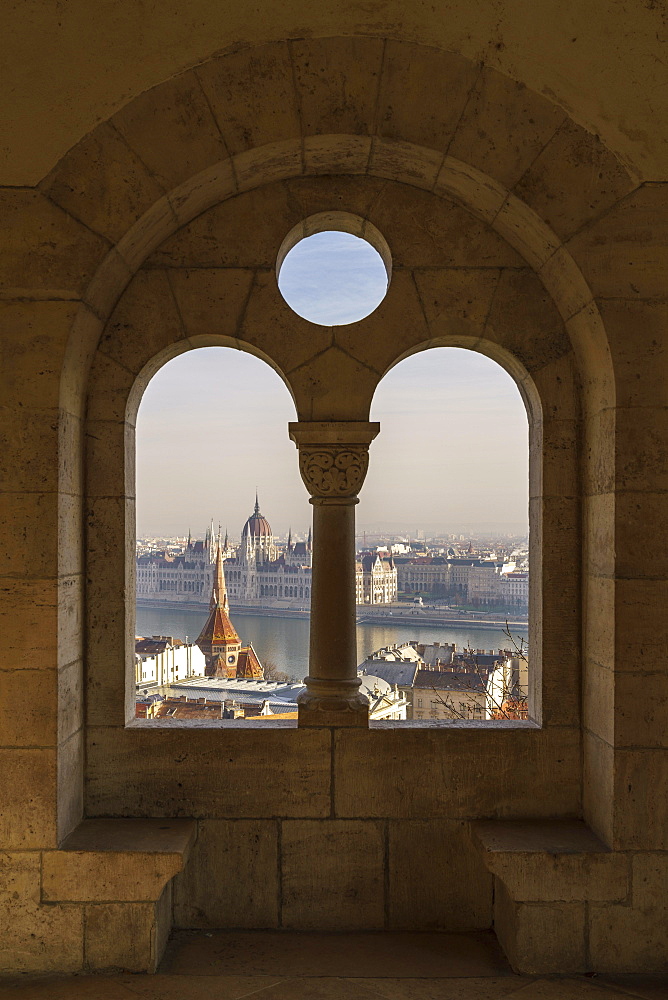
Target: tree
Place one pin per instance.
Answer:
(273, 673)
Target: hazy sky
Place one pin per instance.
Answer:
(452, 453)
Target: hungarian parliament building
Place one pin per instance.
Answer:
(257, 573)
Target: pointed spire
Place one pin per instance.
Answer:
(219, 589)
(257, 504)
(188, 537)
(290, 540)
(309, 540)
(225, 543)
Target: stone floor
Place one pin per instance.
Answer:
(289, 966)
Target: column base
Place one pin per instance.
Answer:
(333, 704)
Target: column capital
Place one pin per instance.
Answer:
(333, 455)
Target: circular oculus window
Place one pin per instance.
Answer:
(334, 269)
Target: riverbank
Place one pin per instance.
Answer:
(395, 614)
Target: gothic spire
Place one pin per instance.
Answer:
(219, 589)
(218, 639)
(308, 542)
(257, 504)
(290, 540)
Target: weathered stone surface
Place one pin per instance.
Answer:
(110, 387)
(28, 708)
(276, 161)
(599, 528)
(252, 96)
(144, 323)
(270, 326)
(637, 335)
(32, 346)
(626, 938)
(211, 301)
(641, 625)
(336, 154)
(428, 232)
(641, 525)
(32, 541)
(487, 135)
(436, 878)
(44, 249)
(641, 709)
(598, 783)
(623, 253)
(551, 861)
(374, 769)
(599, 699)
(641, 800)
(396, 327)
(525, 322)
(116, 860)
(222, 772)
(573, 179)
(28, 816)
(70, 804)
(352, 195)
(231, 879)
(110, 450)
(456, 301)
(121, 936)
(404, 162)
(446, 76)
(35, 938)
(313, 385)
(337, 83)
(103, 183)
(317, 890)
(70, 699)
(540, 938)
(198, 244)
(176, 139)
(28, 621)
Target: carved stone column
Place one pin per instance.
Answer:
(333, 460)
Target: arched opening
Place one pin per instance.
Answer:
(212, 457)
(443, 527)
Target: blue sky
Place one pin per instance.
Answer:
(333, 278)
(452, 452)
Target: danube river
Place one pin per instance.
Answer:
(284, 641)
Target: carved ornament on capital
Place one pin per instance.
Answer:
(334, 471)
(333, 457)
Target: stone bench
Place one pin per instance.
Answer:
(119, 872)
(545, 872)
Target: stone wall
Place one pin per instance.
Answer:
(512, 231)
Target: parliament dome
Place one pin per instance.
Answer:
(257, 526)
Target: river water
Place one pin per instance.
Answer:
(285, 640)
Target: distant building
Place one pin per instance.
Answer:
(376, 580)
(260, 700)
(473, 581)
(218, 640)
(439, 681)
(163, 660)
(258, 573)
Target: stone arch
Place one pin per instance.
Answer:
(135, 205)
(464, 293)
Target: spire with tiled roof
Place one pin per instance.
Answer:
(218, 639)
